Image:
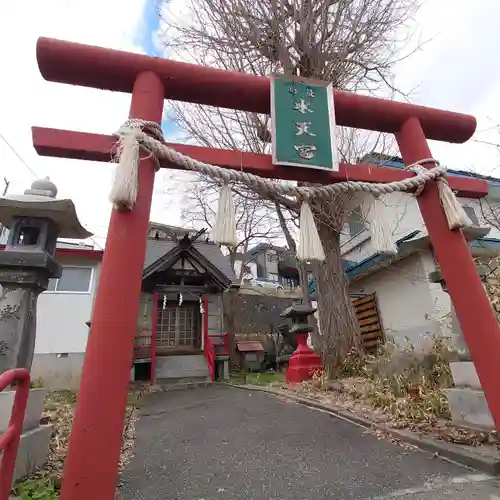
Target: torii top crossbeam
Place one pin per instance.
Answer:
(94, 451)
(114, 70)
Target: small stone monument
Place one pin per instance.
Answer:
(467, 401)
(304, 362)
(35, 220)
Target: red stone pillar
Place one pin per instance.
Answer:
(95, 442)
(477, 319)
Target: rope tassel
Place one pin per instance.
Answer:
(376, 214)
(310, 247)
(455, 214)
(125, 185)
(224, 228)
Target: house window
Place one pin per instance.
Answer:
(73, 279)
(472, 215)
(272, 257)
(355, 222)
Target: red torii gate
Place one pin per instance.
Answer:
(94, 450)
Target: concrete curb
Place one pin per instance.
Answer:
(457, 453)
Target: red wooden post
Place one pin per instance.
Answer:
(95, 443)
(208, 346)
(153, 338)
(94, 448)
(477, 319)
(205, 318)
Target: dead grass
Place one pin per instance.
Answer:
(59, 410)
(402, 393)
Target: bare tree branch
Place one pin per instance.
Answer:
(352, 43)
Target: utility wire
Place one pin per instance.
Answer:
(19, 157)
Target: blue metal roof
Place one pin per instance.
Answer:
(346, 265)
(364, 265)
(397, 162)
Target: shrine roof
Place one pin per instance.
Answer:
(156, 249)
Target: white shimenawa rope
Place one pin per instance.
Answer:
(135, 135)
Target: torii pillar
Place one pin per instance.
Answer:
(94, 449)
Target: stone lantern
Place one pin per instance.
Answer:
(467, 401)
(35, 220)
(304, 362)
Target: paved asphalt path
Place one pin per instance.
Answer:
(222, 443)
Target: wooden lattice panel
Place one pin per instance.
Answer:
(178, 327)
(372, 334)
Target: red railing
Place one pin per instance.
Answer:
(147, 350)
(153, 338)
(223, 346)
(143, 350)
(208, 345)
(9, 440)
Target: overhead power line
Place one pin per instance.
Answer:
(19, 157)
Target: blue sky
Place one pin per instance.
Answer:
(146, 39)
(149, 26)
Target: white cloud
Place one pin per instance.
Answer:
(456, 70)
(26, 99)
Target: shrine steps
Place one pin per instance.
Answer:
(184, 383)
(177, 372)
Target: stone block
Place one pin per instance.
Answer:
(225, 370)
(464, 374)
(176, 367)
(33, 450)
(34, 408)
(469, 408)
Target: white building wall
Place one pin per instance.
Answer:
(251, 265)
(440, 299)
(406, 300)
(61, 316)
(403, 211)
(409, 304)
(61, 336)
(487, 212)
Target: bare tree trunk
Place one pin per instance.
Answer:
(339, 325)
(301, 267)
(352, 44)
(304, 282)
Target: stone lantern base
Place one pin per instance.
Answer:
(467, 401)
(468, 404)
(35, 438)
(304, 363)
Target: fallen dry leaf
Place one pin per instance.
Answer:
(59, 413)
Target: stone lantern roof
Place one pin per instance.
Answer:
(40, 202)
